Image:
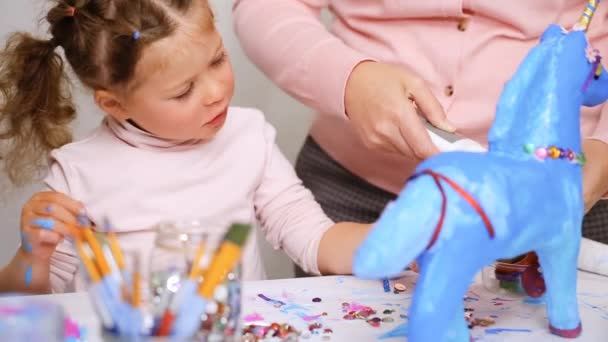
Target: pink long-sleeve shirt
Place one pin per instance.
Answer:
(138, 180)
(464, 49)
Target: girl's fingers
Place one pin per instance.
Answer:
(46, 223)
(59, 199)
(48, 237)
(33, 239)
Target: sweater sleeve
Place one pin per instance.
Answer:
(290, 217)
(296, 51)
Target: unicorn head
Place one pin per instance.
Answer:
(578, 65)
(541, 103)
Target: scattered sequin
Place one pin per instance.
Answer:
(282, 332)
(316, 300)
(400, 287)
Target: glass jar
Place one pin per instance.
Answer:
(176, 250)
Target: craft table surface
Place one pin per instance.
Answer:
(299, 310)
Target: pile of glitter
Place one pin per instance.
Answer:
(258, 332)
(357, 311)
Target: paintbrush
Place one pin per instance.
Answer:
(227, 256)
(187, 289)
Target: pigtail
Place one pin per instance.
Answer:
(35, 106)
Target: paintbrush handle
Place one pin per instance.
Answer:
(88, 263)
(195, 269)
(116, 251)
(104, 267)
(227, 257)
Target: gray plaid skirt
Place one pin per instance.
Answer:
(346, 197)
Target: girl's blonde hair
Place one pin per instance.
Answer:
(102, 41)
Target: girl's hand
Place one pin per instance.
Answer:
(383, 101)
(45, 221)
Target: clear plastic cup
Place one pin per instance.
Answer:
(28, 319)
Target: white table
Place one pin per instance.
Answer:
(300, 311)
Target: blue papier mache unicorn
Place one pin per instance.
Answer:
(462, 211)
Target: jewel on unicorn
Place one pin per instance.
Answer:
(461, 211)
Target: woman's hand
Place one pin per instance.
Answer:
(383, 101)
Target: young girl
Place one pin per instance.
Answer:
(168, 148)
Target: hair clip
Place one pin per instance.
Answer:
(136, 35)
(71, 10)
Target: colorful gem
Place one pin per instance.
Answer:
(581, 159)
(570, 155)
(541, 153)
(553, 152)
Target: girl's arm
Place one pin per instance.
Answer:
(25, 274)
(293, 221)
(338, 246)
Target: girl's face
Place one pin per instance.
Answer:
(183, 86)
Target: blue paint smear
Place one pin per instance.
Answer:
(530, 300)
(603, 311)
(286, 308)
(28, 275)
(47, 224)
(25, 242)
(501, 330)
(386, 284)
(400, 331)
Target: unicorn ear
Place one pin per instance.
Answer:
(552, 31)
(597, 92)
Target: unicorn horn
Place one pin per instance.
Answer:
(585, 20)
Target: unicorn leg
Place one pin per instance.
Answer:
(439, 290)
(558, 264)
(402, 232)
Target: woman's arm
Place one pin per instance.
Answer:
(289, 43)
